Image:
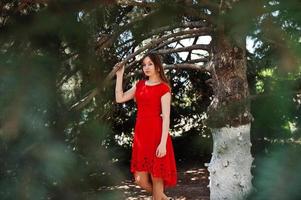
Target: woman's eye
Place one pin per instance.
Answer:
(150, 64)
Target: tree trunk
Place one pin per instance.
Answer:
(229, 118)
(230, 165)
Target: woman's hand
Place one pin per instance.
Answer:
(120, 71)
(161, 150)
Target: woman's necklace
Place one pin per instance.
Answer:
(151, 83)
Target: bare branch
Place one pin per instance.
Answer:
(137, 4)
(189, 48)
(175, 39)
(205, 59)
(67, 76)
(189, 54)
(202, 68)
(84, 101)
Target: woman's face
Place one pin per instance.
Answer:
(149, 67)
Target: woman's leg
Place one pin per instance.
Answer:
(158, 189)
(143, 180)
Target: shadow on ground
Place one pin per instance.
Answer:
(192, 185)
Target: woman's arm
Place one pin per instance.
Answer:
(121, 96)
(165, 104)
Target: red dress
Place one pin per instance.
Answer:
(147, 135)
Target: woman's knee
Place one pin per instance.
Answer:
(142, 180)
(157, 180)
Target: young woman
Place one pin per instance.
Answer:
(153, 162)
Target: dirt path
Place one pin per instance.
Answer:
(192, 185)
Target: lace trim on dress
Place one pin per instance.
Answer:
(156, 169)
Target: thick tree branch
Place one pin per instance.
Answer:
(201, 68)
(84, 101)
(175, 39)
(189, 48)
(189, 54)
(205, 59)
(67, 76)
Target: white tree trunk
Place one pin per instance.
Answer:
(230, 165)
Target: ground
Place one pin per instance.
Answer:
(192, 185)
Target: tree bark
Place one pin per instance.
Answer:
(229, 118)
(230, 165)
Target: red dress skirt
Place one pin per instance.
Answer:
(147, 135)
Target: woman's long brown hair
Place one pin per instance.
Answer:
(155, 58)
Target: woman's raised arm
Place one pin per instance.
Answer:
(121, 96)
